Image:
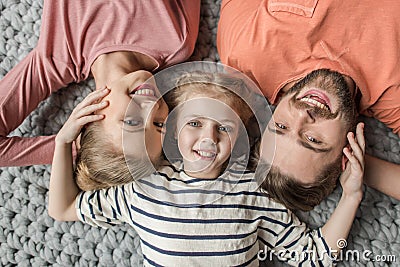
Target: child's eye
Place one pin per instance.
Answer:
(158, 124)
(194, 123)
(132, 122)
(280, 125)
(227, 129)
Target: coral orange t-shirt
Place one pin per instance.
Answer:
(275, 42)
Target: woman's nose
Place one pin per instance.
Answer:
(147, 103)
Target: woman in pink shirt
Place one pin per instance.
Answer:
(120, 44)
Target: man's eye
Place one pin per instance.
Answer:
(227, 129)
(158, 124)
(312, 139)
(194, 123)
(132, 122)
(280, 125)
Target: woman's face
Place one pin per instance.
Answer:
(135, 115)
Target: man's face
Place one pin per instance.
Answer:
(309, 125)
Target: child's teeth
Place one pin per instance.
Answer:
(206, 154)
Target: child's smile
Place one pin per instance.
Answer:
(206, 155)
(206, 135)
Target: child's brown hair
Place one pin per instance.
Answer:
(224, 87)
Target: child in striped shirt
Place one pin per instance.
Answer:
(208, 210)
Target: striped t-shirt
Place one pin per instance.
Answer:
(186, 221)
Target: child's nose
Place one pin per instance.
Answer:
(209, 134)
(208, 144)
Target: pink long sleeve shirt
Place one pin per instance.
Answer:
(73, 34)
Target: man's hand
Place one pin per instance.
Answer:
(352, 177)
(339, 225)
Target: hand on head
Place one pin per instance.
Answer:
(352, 177)
(82, 115)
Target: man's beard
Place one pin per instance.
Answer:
(334, 83)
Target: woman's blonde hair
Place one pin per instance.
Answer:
(100, 164)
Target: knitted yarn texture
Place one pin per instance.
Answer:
(29, 237)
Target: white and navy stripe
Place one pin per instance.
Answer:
(187, 221)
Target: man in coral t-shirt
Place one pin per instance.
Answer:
(318, 61)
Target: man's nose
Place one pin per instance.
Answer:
(305, 115)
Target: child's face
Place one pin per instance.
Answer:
(207, 130)
(134, 110)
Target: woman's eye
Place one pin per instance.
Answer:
(312, 139)
(194, 123)
(158, 124)
(280, 126)
(227, 129)
(132, 122)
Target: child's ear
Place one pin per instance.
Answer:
(344, 158)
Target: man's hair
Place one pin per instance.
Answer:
(100, 164)
(293, 194)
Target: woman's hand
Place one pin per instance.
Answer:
(82, 114)
(352, 177)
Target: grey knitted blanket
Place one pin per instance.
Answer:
(29, 237)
